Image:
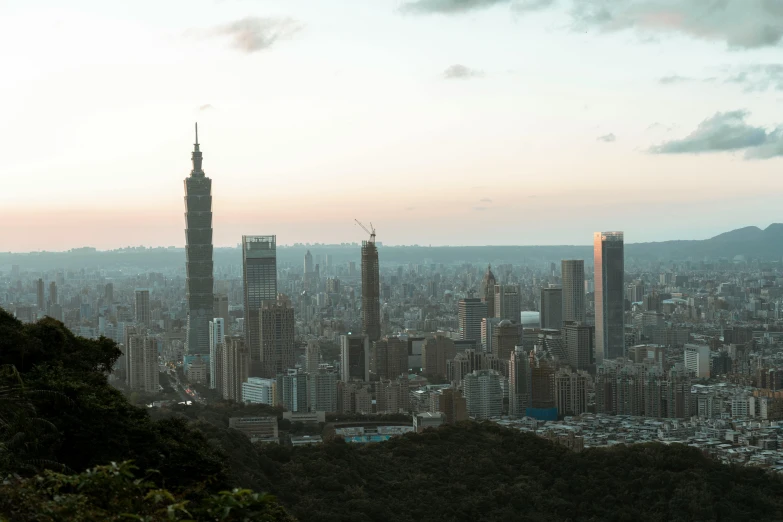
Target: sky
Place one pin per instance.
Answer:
(461, 122)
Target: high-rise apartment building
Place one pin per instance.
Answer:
(571, 391)
(198, 256)
(312, 356)
(355, 357)
(697, 360)
(389, 358)
(573, 278)
(293, 391)
(236, 367)
(141, 307)
(452, 404)
(142, 372)
(108, 293)
(220, 308)
(508, 302)
(39, 290)
(609, 296)
(323, 391)
(371, 290)
(471, 311)
(488, 291)
(504, 339)
(217, 333)
(551, 308)
(519, 382)
(578, 341)
(259, 271)
(483, 394)
(392, 396)
(53, 293)
(276, 333)
(488, 325)
(434, 355)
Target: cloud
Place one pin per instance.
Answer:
(758, 77)
(449, 6)
(460, 72)
(668, 80)
(410, 208)
(771, 148)
(485, 200)
(480, 209)
(206, 107)
(607, 138)
(741, 24)
(528, 6)
(253, 34)
(727, 131)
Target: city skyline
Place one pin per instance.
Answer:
(545, 108)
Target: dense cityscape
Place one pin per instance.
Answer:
(585, 352)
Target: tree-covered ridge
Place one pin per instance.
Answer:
(476, 472)
(59, 380)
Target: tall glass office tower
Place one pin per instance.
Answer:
(609, 295)
(259, 270)
(198, 256)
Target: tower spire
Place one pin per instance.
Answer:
(196, 157)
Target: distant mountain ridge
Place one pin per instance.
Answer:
(751, 242)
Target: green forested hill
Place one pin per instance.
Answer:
(484, 472)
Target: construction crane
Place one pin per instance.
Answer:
(371, 231)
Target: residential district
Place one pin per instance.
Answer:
(597, 352)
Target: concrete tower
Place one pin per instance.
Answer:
(609, 296)
(198, 255)
(371, 290)
(573, 274)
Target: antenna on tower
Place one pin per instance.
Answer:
(196, 133)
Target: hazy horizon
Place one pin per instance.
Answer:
(381, 244)
(470, 122)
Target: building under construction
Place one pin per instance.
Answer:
(371, 288)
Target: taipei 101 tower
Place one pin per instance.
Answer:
(198, 256)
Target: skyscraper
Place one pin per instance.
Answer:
(109, 293)
(308, 263)
(483, 394)
(220, 308)
(198, 255)
(312, 356)
(141, 307)
(578, 341)
(609, 296)
(235, 366)
(217, 334)
(488, 291)
(371, 290)
(276, 336)
(39, 287)
(259, 269)
(389, 358)
(519, 382)
(507, 302)
(552, 308)
(504, 339)
(471, 311)
(355, 357)
(573, 274)
(52, 293)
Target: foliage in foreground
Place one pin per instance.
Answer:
(109, 493)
